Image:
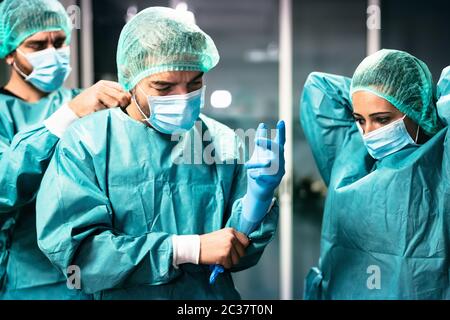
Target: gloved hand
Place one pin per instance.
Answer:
(265, 170)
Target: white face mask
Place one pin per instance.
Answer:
(388, 139)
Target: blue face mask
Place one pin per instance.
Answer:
(51, 68)
(388, 139)
(173, 114)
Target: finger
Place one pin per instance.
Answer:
(266, 144)
(98, 104)
(238, 246)
(261, 132)
(281, 133)
(111, 85)
(262, 177)
(228, 262)
(107, 101)
(257, 165)
(123, 98)
(243, 239)
(254, 174)
(234, 257)
(240, 249)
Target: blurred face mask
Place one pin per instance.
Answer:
(51, 68)
(388, 139)
(173, 114)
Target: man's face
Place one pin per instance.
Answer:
(167, 84)
(37, 42)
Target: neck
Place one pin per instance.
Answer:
(134, 113)
(423, 138)
(23, 89)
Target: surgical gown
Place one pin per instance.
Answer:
(386, 224)
(26, 147)
(117, 190)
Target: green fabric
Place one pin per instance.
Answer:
(392, 214)
(161, 39)
(20, 20)
(112, 198)
(26, 147)
(404, 81)
(45, 292)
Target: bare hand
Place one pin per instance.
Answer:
(102, 95)
(224, 247)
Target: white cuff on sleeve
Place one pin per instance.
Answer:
(186, 249)
(59, 121)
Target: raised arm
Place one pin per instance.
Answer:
(326, 117)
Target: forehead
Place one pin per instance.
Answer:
(365, 102)
(174, 76)
(45, 35)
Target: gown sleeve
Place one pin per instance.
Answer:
(75, 227)
(326, 117)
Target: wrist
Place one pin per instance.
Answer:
(260, 196)
(74, 110)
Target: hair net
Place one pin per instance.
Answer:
(404, 81)
(161, 39)
(21, 19)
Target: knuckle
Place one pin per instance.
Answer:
(230, 238)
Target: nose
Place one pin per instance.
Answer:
(369, 127)
(180, 90)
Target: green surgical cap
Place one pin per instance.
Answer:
(21, 19)
(404, 81)
(160, 39)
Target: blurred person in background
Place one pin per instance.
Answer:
(381, 143)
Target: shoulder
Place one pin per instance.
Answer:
(6, 102)
(91, 131)
(215, 126)
(227, 143)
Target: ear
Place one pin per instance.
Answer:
(10, 58)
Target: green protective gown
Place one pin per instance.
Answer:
(386, 224)
(113, 196)
(26, 147)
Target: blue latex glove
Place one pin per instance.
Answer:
(265, 170)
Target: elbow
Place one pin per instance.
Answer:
(311, 97)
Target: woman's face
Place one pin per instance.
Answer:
(373, 112)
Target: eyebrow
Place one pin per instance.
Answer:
(380, 113)
(44, 41)
(166, 83)
(36, 42)
(373, 114)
